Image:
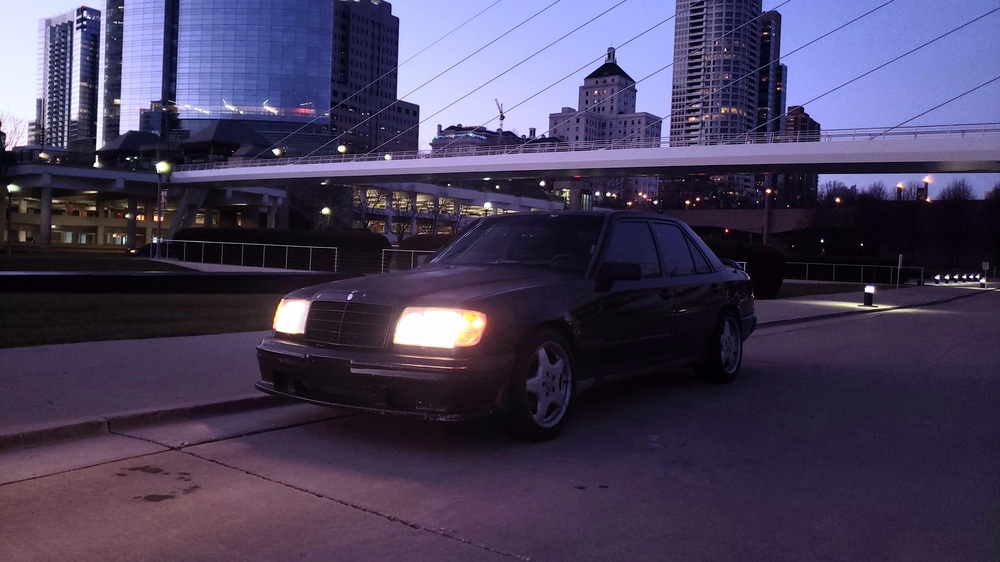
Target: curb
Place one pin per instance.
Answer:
(90, 426)
(879, 308)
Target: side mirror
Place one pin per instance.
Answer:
(612, 271)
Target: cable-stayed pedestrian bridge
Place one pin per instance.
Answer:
(945, 149)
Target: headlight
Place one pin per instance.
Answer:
(290, 318)
(439, 327)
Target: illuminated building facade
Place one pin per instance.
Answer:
(716, 53)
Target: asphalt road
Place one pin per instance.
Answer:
(868, 437)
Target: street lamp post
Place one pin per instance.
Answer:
(162, 169)
(899, 191)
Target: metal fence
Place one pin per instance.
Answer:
(306, 258)
(399, 260)
(328, 259)
(852, 273)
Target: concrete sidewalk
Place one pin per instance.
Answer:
(61, 391)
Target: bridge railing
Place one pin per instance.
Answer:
(399, 260)
(833, 135)
(275, 256)
(852, 273)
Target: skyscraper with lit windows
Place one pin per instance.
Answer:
(716, 60)
(68, 69)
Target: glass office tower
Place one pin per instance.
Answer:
(268, 63)
(110, 84)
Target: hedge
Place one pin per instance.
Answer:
(764, 264)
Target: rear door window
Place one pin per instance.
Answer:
(632, 242)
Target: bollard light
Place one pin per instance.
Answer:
(869, 295)
(947, 279)
(937, 279)
(982, 282)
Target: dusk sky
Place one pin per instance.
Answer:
(548, 81)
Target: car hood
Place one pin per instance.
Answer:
(438, 285)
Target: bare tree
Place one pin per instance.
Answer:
(366, 200)
(404, 211)
(611, 190)
(993, 194)
(11, 131)
(911, 190)
(14, 129)
(877, 191)
(455, 215)
(957, 190)
(836, 193)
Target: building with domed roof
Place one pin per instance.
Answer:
(606, 111)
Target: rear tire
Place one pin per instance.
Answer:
(725, 351)
(541, 387)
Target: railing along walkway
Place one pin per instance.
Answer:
(833, 135)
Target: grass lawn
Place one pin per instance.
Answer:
(77, 261)
(49, 318)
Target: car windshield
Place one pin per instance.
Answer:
(552, 240)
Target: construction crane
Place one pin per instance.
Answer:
(500, 107)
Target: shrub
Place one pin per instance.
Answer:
(764, 264)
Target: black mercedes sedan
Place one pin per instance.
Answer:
(512, 318)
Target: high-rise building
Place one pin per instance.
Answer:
(110, 83)
(606, 111)
(68, 71)
(716, 57)
(800, 189)
(771, 78)
(366, 115)
(306, 76)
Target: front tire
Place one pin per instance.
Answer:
(541, 387)
(725, 352)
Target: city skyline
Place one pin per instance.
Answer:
(817, 73)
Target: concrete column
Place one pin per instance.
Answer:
(766, 229)
(284, 207)
(45, 226)
(209, 216)
(272, 215)
(131, 231)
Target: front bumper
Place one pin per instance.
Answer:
(432, 387)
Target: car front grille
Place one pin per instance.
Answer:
(349, 324)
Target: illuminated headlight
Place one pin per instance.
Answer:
(290, 318)
(439, 327)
